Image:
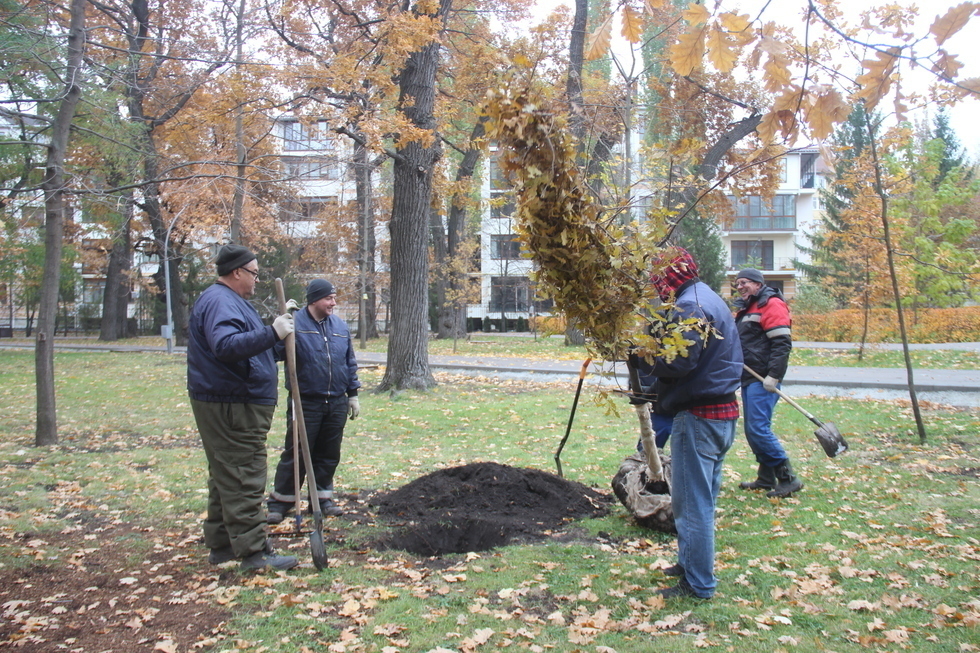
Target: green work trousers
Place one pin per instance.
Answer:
(234, 438)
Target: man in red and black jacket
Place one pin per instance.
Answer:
(765, 330)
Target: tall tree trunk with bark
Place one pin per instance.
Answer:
(576, 106)
(451, 314)
(115, 297)
(46, 430)
(367, 322)
(414, 166)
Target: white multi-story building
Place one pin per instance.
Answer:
(766, 234)
(763, 233)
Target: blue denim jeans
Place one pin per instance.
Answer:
(697, 449)
(757, 405)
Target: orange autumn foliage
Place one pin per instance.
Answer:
(925, 326)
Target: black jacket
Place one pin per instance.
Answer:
(765, 329)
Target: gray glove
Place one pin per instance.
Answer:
(291, 305)
(770, 383)
(284, 325)
(353, 407)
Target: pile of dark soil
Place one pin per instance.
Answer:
(480, 506)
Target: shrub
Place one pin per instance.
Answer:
(548, 324)
(812, 298)
(927, 325)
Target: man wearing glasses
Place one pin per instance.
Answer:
(231, 379)
(764, 327)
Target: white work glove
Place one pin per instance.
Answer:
(284, 325)
(770, 383)
(291, 305)
(353, 407)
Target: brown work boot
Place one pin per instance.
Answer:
(766, 479)
(786, 482)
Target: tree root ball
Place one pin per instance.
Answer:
(481, 506)
(648, 502)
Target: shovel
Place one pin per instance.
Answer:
(317, 548)
(830, 439)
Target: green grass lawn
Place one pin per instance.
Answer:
(879, 552)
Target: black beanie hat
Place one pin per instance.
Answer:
(751, 274)
(232, 257)
(318, 289)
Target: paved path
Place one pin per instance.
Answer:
(953, 387)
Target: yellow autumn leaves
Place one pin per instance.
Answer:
(791, 73)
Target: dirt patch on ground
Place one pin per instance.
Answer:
(104, 586)
(481, 506)
(119, 591)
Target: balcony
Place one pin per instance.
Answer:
(777, 265)
(764, 223)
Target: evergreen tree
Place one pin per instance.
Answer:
(700, 236)
(840, 277)
(953, 155)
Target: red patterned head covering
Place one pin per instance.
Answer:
(672, 268)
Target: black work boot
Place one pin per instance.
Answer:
(786, 482)
(766, 479)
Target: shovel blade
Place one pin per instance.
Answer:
(317, 547)
(830, 439)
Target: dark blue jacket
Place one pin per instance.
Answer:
(325, 363)
(712, 369)
(229, 351)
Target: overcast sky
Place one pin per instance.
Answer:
(964, 117)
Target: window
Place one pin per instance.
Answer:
(326, 167)
(752, 253)
(808, 165)
(755, 213)
(502, 203)
(93, 291)
(307, 208)
(300, 136)
(510, 294)
(506, 247)
(783, 170)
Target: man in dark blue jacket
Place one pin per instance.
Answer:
(326, 371)
(231, 379)
(698, 389)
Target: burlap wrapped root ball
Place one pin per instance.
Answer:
(644, 500)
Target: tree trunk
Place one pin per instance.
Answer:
(241, 168)
(451, 320)
(890, 254)
(116, 294)
(367, 321)
(408, 355)
(576, 60)
(46, 432)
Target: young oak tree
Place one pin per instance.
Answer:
(807, 95)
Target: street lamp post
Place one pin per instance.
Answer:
(169, 335)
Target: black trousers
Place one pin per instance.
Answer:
(325, 422)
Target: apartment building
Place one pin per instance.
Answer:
(765, 234)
